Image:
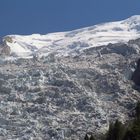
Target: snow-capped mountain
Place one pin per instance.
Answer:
(74, 82)
(65, 43)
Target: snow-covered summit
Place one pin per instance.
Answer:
(65, 43)
(133, 23)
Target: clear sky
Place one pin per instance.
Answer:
(45, 16)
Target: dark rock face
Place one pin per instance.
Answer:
(4, 49)
(136, 75)
(130, 48)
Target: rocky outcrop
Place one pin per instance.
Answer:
(136, 74)
(4, 49)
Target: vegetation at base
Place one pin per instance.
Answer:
(116, 131)
(119, 131)
(87, 137)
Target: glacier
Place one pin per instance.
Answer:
(60, 86)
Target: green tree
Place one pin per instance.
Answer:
(86, 137)
(135, 130)
(128, 135)
(92, 137)
(133, 133)
(116, 131)
(110, 132)
(137, 109)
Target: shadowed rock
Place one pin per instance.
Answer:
(136, 75)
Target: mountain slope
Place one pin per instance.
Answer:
(82, 83)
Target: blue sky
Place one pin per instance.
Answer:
(45, 16)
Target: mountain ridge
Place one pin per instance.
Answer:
(67, 43)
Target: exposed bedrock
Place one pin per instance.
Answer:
(136, 74)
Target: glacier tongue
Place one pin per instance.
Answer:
(67, 43)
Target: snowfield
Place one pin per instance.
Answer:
(65, 43)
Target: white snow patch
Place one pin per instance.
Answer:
(102, 34)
